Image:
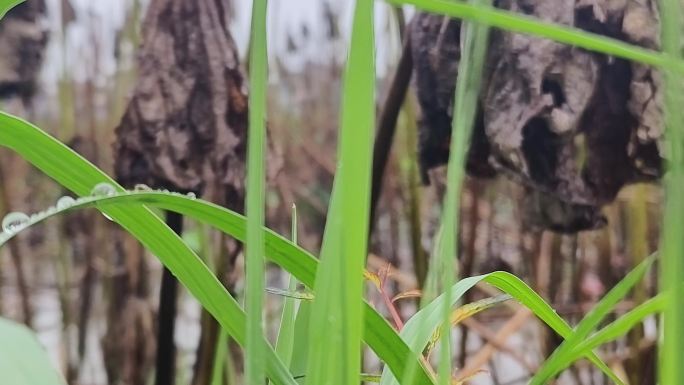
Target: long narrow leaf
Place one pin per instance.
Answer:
(560, 356)
(672, 242)
(286, 331)
(619, 327)
(337, 319)
(563, 34)
(254, 259)
(217, 370)
(300, 351)
(465, 107)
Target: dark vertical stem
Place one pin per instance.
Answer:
(387, 124)
(166, 348)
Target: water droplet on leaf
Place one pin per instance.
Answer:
(142, 187)
(65, 202)
(191, 195)
(14, 221)
(103, 189)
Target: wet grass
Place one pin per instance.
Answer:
(327, 349)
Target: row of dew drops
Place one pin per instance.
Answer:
(15, 221)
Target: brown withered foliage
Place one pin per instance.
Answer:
(185, 129)
(22, 44)
(185, 125)
(571, 125)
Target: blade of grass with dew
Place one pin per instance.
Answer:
(560, 357)
(620, 326)
(78, 175)
(286, 331)
(7, 5)
(378, 333)
(417, 331)
(23, 361)
(671, 369)
(467, 91)
(563, 34)
(337, 320)
(255, 196)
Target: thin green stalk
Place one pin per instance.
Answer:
(217, 371)
(620, 326)
(561, 355)
(285, 339)
(672, 242)
(254, 265)
(409, 166)
(465, 108)
(638, 249)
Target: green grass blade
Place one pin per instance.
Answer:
(417, 331)
(524, 24)
(78, 175)
(560, 357)
(465, 107)
(300, 350)
(620, 326)
(286, 331)
(533, 301)
(325, 324)
(672, 242)
(337, 320)
(23, 361)
(220, 356)
(255, 196)
(6, 5)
